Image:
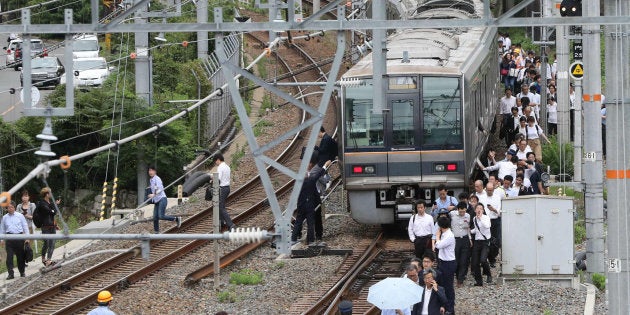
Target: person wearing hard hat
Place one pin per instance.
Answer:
(103, 299)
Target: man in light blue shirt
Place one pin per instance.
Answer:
(14, 223)
(158, 197)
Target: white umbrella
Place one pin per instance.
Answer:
(395, 293)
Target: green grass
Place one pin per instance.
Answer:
(236, 157)
(579, 232)
(599, 281)
(246, 276)
(266, 104)
(279, 265)
(261, 126)
(227, 296)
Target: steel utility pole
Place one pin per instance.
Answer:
(617, 162)
(593, 170)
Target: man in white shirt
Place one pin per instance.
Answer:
(224, 190)
(507, 102)
(522, 151)
(420, 229)
(493, 210)
(479, 192)
(479, 257)
(460, 226)
(504, 167)
(445, 242)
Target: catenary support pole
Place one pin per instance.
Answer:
(618, 158)
(593, 170)
(379, 60)
(202, 36)
(562, 84)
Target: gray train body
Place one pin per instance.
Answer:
(441, 99)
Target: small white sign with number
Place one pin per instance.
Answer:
(614, 265)
(589, 156)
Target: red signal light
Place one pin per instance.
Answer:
(357, 169)
(451, 167)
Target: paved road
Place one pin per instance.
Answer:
(10, 105)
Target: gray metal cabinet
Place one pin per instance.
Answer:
(537, 233)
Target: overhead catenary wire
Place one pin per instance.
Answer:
(45, 166)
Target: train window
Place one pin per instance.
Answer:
(402, 123)
(364, 128)
(441, 108)
(403, 83)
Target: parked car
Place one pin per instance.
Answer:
(85, 46)
(45, 71)
(89, 72)
(14, 51)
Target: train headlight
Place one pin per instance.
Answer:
(445, 167)
(363, 169)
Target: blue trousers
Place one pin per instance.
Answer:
(159, 211)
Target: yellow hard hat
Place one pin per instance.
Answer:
(104, 296)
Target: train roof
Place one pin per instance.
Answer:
(432, 51)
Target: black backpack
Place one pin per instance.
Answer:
(38, 217)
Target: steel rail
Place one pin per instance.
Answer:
(341, 284)
(44, 298)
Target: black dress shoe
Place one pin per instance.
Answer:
(22, 275)
(478, 285)
(489, 279)
(10, 277)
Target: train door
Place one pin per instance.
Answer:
(403, 161)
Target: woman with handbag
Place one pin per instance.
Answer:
(480, 245)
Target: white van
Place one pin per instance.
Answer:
(85, 46)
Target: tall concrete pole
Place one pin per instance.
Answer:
(562, 84)
(143, 90)
(142, 63)
(379, 59)
(202, 36)
(593, 170)
(617, 162)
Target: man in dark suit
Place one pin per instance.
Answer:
(433, 298)
(308, 201)
(327, 148)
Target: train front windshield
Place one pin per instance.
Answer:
(435, 124)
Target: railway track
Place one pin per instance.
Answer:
(124, 270)
(371, 262)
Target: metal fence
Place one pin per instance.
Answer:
(219, 108)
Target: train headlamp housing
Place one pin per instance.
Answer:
(363, 169)
(445, 167)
